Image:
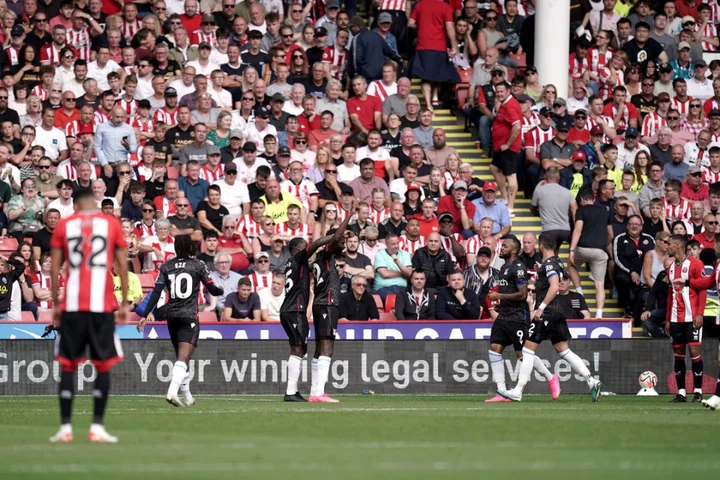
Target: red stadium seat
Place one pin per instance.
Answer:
(390, 303)
(520, 60)
(27, 317)
(387, 316)
(465, 75)
(8, 246)
(207, 317)
(45, 316)
(378, 302)
(172, 172)
(146, 281)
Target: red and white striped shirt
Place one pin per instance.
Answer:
(260, 281)
(652, 123)
(249, 227)
(144, 124)
(604, 74)
(129, 29)
(338, 59)
(447, 244)
(100, 117)
(342, 213)
(377, 216)
(89, 240)
(129, 107)
(681, 211)
(285, 230)
(13, 55)
(682, 107)
(143, 230)
(536, 137)
(167, 117)
(473, 244)
(710, 177)
(168, 253)
(40, 92)
(73, 127)
(50, 54)
(212, 176)
(198, 36)
(164, 205)
(528, 123)
(597, 59)
(591, 123)
(714, 11)
(410, 246)
(44, 282)
(685, 302)
(303, 191)
(577, 66)
(710, 30)
(80, 40)
(397, 5)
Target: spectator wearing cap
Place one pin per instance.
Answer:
(629, 148)
(234, 150)
(487, 206)
(462, 210)
(664, 84)
(642, 48)
(248, 165)
(693, 188)
(384, 29)
(593, 148)
(557, 151)
(256, 131)
(682, 66)
(234, 194)
(194, 187)
(653, 121)
(560, 112)
(203, 64)
(369, 51)
(555, 204)
(700, 87)
(320, 41)
(698, 153)
(580, 132)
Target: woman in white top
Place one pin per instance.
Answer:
(653, 262)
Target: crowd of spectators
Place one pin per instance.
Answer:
(245, 125)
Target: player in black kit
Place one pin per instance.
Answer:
(513, 317)
(548, 323)
(325, 310)
(293, 313)
(181, 277)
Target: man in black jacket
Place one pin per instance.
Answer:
(368, 51)
(434, 261)
(358, 304)
(415, 302)
(455, 302)
(629, 249)
(10, 271)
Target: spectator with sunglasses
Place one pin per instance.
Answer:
(693, 188)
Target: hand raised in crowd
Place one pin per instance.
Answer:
(108, 169)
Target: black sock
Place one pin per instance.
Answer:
(680, 370)
(100, 396)
(697, 369)
(66, 393)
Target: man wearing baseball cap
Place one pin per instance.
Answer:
(461, 209)
(654, 120)
(699, 86)
(557, 152)
(577, 175)
(488, 207)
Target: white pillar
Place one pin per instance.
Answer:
(552, 43)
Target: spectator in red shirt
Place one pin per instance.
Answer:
(365, 111)
(461, 209)
(623, 113)
(433, 20)
(191, 19)
(234, 244)
(579, 133)
(693, 187)
(428, 221)
(707, 237)
(507, 144)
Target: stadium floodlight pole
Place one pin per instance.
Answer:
(552, 43)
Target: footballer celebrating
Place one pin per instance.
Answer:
(684, 319)
(548, 323)
(90, 241)
(181, 277)
(511, 324)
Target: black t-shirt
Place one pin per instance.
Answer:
(154, 189)
(244, 309)
(327, 193)
(7, 280)
(651, 228)
(549, 268)
(314, 55)
(179, 138)
(81, 101)
(644, 106)
(316, 91)
(13, 116)
(208, 259)
(184, 223)
(42, 239)
(572, 304)
(257, 61)
(636, 54)
(254, 191)
(279, 123)
(390, 141)
(405, 123)
(530, 261)
(168, 71)
(162, 149)
(403, 159)
(214, 216)
(595, 221)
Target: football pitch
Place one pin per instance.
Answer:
(366, 437)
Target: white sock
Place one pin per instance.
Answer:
(185, 388)
(525, 369)
(323, 372)
(697, 390)
(598, 313)
(66, 428)
(579, 290)
(314, 384)
(178, 373)
(540, 368)
(681, 391)
(498, 369)
(293, 374)
(578, 365)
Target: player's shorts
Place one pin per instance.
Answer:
(685, 334)
(506, 161)
(186, 330)
(509, 333)
(83, 331)
(325, 320)
(553, 328)
(296, 327)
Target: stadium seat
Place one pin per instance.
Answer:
(172, 172)
(45, 316)
(8, 245)
(146, 281)
(387, 316)
(520, 60)
(390, 303)
(27, 317)
(378, 302)
(207, 317)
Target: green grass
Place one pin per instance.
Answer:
(366, 437)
